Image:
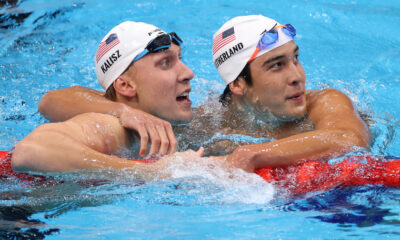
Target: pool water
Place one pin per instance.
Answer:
(353, 46)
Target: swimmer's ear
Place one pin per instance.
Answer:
(238, 87)
(124, 87)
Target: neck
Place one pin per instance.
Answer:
(131, 102)
(245, 111)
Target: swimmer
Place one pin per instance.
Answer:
(258, 60)
(140, 66)
(265, 96)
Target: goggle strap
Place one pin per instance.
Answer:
(254, 54)
(160, 48)
(179, 42)
(287, 29)
(173, 37)
(140, 55)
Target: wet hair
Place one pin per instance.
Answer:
(111, 94)
(226, 96)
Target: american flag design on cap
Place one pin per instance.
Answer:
(106, 46)
(223, 38)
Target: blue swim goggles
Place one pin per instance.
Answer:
(270, 37)
(160, 43)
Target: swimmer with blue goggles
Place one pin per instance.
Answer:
(270, 37)
(160, 43)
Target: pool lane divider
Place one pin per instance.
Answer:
(308, 176)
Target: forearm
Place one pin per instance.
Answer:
(63, 104)
(314, 145)
(60, 147)
(52, 157)
(83, 142)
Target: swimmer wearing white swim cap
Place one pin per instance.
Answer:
(140, 67)
(137, 62)
(147, 85)
(258, 60)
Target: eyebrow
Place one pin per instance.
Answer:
(170, 52)
(277, 58)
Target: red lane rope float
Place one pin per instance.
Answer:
(318, 175)
(300, 178)
(6, 170)
(3, 154)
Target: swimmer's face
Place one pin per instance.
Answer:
(278, 83)
(162, 83)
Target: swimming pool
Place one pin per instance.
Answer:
(353, 46)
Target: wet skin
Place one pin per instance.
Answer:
(306, 124)
(278, 91)
(278, 84)
(161, 82)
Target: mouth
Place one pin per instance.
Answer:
(184, 97)
(296, 97)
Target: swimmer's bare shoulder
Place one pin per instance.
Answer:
(332, 110)
(320, 99)
(313, 95)
(73, 144)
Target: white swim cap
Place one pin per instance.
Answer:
(235, 42)
(119, 47)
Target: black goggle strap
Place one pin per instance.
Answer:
(176, 39)
(163, 42)
(159, 43)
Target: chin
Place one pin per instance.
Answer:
(299, 112)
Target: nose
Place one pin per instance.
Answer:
(296, 73)
(185, 73)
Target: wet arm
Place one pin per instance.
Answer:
(63, 104)
(338, 129)
(84, 142)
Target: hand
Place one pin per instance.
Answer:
(191, 154)
(162, 167)
(149, 127)
(177, 157)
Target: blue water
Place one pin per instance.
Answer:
(353, 46)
